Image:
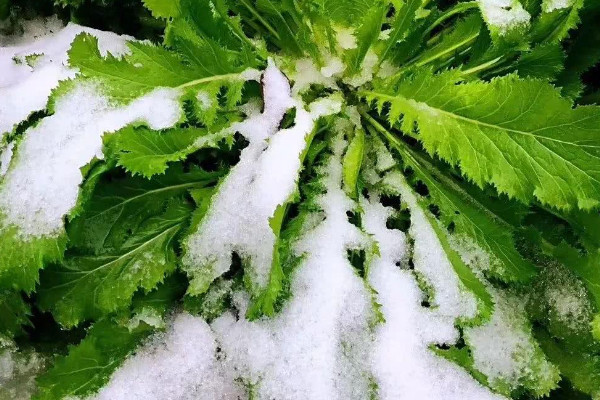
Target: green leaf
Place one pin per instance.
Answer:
(544, 61)
(583, 53)
(119, 204)
(22, 260)
(143, 151)
(404, 18)
(366, 34)
(91, 286)
(89, 365)
(483, 228)
(352, 163)
(583, 370)
(517, 134)
(162, 8)
(450, 42)
(553, 25)
(14, 313)
(149, 67)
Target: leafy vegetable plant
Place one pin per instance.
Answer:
(301, 199)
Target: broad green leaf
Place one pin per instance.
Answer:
(91, 286)
(517, 134)
(143, 151)
(544, 61)
(352, 163)
(119, 204)
(148, 67)
(89, 365)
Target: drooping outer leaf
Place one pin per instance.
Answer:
(517, 134)
(90, 286)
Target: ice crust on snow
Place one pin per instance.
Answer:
(265, 177)
(504, 15)
(25, 89)
(181, 364)
(403, 365)
(42, 183)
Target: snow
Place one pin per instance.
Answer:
(504, 349)
(504, 15)
(429, 258)
(182, 364)
(42, 184)
(345, 38)
(5, 157)
(403, 365)
(317, 346)
(552, 5)
(265, 177)
(18, 371)
(564, 297)
(306, 74)
(25, 89)
(322, 344)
